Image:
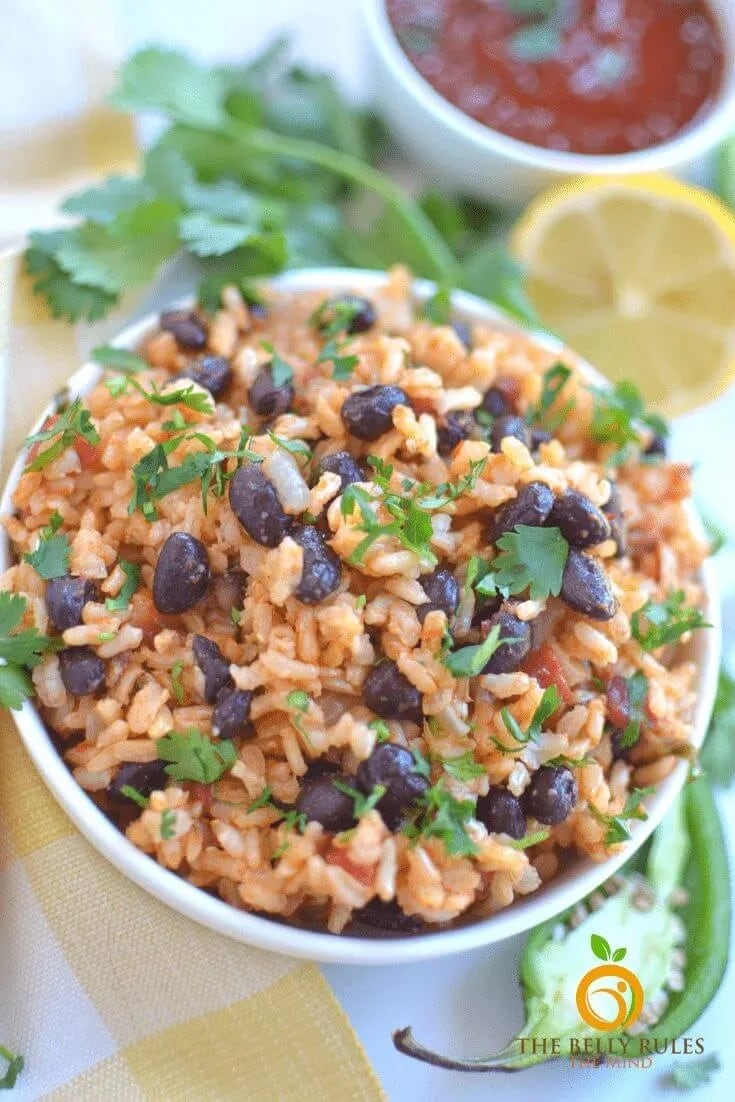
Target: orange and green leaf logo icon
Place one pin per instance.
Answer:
(625, 998)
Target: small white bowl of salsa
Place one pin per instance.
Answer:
(500, 98)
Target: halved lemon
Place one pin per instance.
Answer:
(638, 275)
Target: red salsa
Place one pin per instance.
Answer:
(584, 76)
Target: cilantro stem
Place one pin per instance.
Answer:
(441, 264)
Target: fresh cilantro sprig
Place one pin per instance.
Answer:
(192, 757)
(132, 578)
(548, 704)
(294, 447)
(363, 803)
(15, 1065)
(334, 316)
(75, 423)
(533, 559)
(544, 414)
(529, 840)
(618, 416)
(281, 371)
(182, 393)
(381, 728)
(464, 767)
(342, 364)
(438, 497)
(410, 525)
(51, 557)
(442, 816)
(470, 661)
(128, 363)
(616, 825)
(637, 687)
(19, 651)
(660, 623)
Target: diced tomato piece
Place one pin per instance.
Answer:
(364, 874)
(89, 455)
(548, 670)
(618, 703)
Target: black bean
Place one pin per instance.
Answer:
(464, 332)
(231, 714)
(485, 607)
(322, 803)
(509, 425)
(255, 503)
(613, 510)
(82, 671)
(616, 745)
(321, 571)
(320, 767)
(65, 599)
(342, 464)
(508, 657)
(213, 664)
(551, 795)
(395, 768)
(212, 372)
(579, 520)
(367, 413)
(387, 917)
(267, 399)
(538, 437)
(145, 777)
(442, 589)
(456, 428)
(189, 330)
(501, 812)
(362, 311)
(657, 447)
(181, 576)
(532, 505)
(391, 695)
(586, 588)
(496, 403)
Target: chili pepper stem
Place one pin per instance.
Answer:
(404, 1041)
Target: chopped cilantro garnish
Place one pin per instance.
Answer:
(298, 700)
(183, 393)
(442, 816)
(120, 359)
(334, 316)
(236, 615)
(193, 757)
(471, 661)
(381, 728)
(363, 803)
(342, 365)
(447, 492)
(51, 557)
(168, 824)
(464, 767)
(117, 385)
(360, 601)
(281, 371)
(659, 623)
(617, 417)
(15, 1065)
(75, 423)
(134, 795)
(106, 636)
(531, 558)
(438, 307)
(18, 649)
(295, 447)
(263, 800)
(550, 701)
(529, 840)
(554, 381)
(177, 687)
(637, 693)
(132, 570)
(617, 830)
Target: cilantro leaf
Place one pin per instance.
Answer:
(442, 816)
(381, 728)
(183, 393)
(446, 492)
(471, 661)
(132, 570)
(209, 236)
(51, 557)
(298, 700)
(73, 424)
(548, 704)
(15, 687)
(617, 829)
(15, 1065)
(718, 755)
(464, 767)
(130, 363)
(687, 1075)
(660, 623)
(617, 417)
(637, 692)
(532, 558)
(105, 201)
(168, 824)
(193, 757)
(134, 795)
(363, 803)
(438, 307)
(342, 366)
(555, 379)
(335, 316)
(65, 296)
(529, 840)
(176, 686)
(295, 447)
(168, 81)
(281, 371)
(20, 648)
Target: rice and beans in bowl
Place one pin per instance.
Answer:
(353, 615)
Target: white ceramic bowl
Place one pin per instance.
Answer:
(471, 158)
(563, 892)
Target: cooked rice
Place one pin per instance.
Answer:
(280, 645)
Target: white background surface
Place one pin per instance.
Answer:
(469, 1004)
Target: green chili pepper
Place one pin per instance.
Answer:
(638, 915)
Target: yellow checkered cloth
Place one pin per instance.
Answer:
(110, 995)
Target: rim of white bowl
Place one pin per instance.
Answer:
(583, 876)
(691, 143)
